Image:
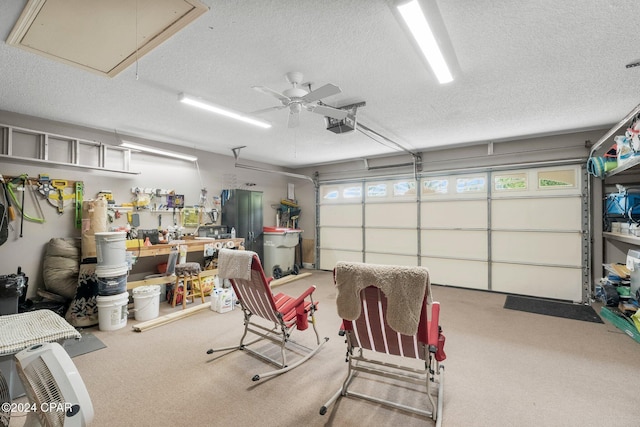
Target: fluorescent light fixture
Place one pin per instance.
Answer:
(196, 102)
(147, 149)
(424, 34)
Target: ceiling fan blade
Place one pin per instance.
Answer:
(267, 91)
(322, 92)
(294, 119)
(266, 110)
(334, 113)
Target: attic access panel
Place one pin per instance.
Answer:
(104, 37)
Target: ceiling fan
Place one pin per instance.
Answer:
(296, 98)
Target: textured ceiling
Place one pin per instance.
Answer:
(527, 68)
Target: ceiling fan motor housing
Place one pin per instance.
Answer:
(294, 93)
(294, 77)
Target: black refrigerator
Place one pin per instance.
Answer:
(242, 210)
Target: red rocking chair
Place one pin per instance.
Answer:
(268, 316)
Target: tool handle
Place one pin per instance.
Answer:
(10, 210)
(24, 190)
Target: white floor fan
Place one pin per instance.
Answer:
(5, 397)
(297, 98)
(57, 395)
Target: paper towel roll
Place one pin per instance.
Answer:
(219, 245)
(230, 244)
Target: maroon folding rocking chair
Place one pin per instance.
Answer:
(375, 348)
(268, 316)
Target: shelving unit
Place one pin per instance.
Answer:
(615, 246)
(626, 238)
(611, 132)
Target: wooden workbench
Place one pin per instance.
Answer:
(193, 245)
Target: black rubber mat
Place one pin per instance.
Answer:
(552, 308)
(84, 345)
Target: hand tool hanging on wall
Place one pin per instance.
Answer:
(44, 186)
(54, 191)
(23, 177)
(9, 207)
(36, 199)
(79, 197)
(60, 185)
(11, 185)
(4, 221)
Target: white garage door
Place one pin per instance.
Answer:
(520, 231)
(340, 222)
(537, 238)
(454, 229)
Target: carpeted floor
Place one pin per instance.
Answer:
(503, 368)
(552, 308)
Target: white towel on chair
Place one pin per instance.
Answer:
(234, 264)
(404, 288)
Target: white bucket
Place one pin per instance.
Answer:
(111, 248)
(112, 311)
(112, 280)
(146, 302)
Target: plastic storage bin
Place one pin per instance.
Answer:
(279, 251)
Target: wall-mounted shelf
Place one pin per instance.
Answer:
(626, 238)
(611, 132)
(634, 161)
(614, 129)
(18, 144)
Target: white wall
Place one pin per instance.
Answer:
(216, 172)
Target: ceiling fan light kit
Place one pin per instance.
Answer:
(216, 109)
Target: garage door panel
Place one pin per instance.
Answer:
(454, 214)
(341, 238)
(374, 258)
(537, 214)
(455, 243)
(330, 257)
(516, 231)
(544, 248)
(340, 215)
(545, 282)
(465, 274)
(389, 214)
(392, 241)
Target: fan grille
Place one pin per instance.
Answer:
(5, 416)
(46, 390)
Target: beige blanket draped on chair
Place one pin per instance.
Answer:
(404, 287)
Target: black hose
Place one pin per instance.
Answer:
(24, 190)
